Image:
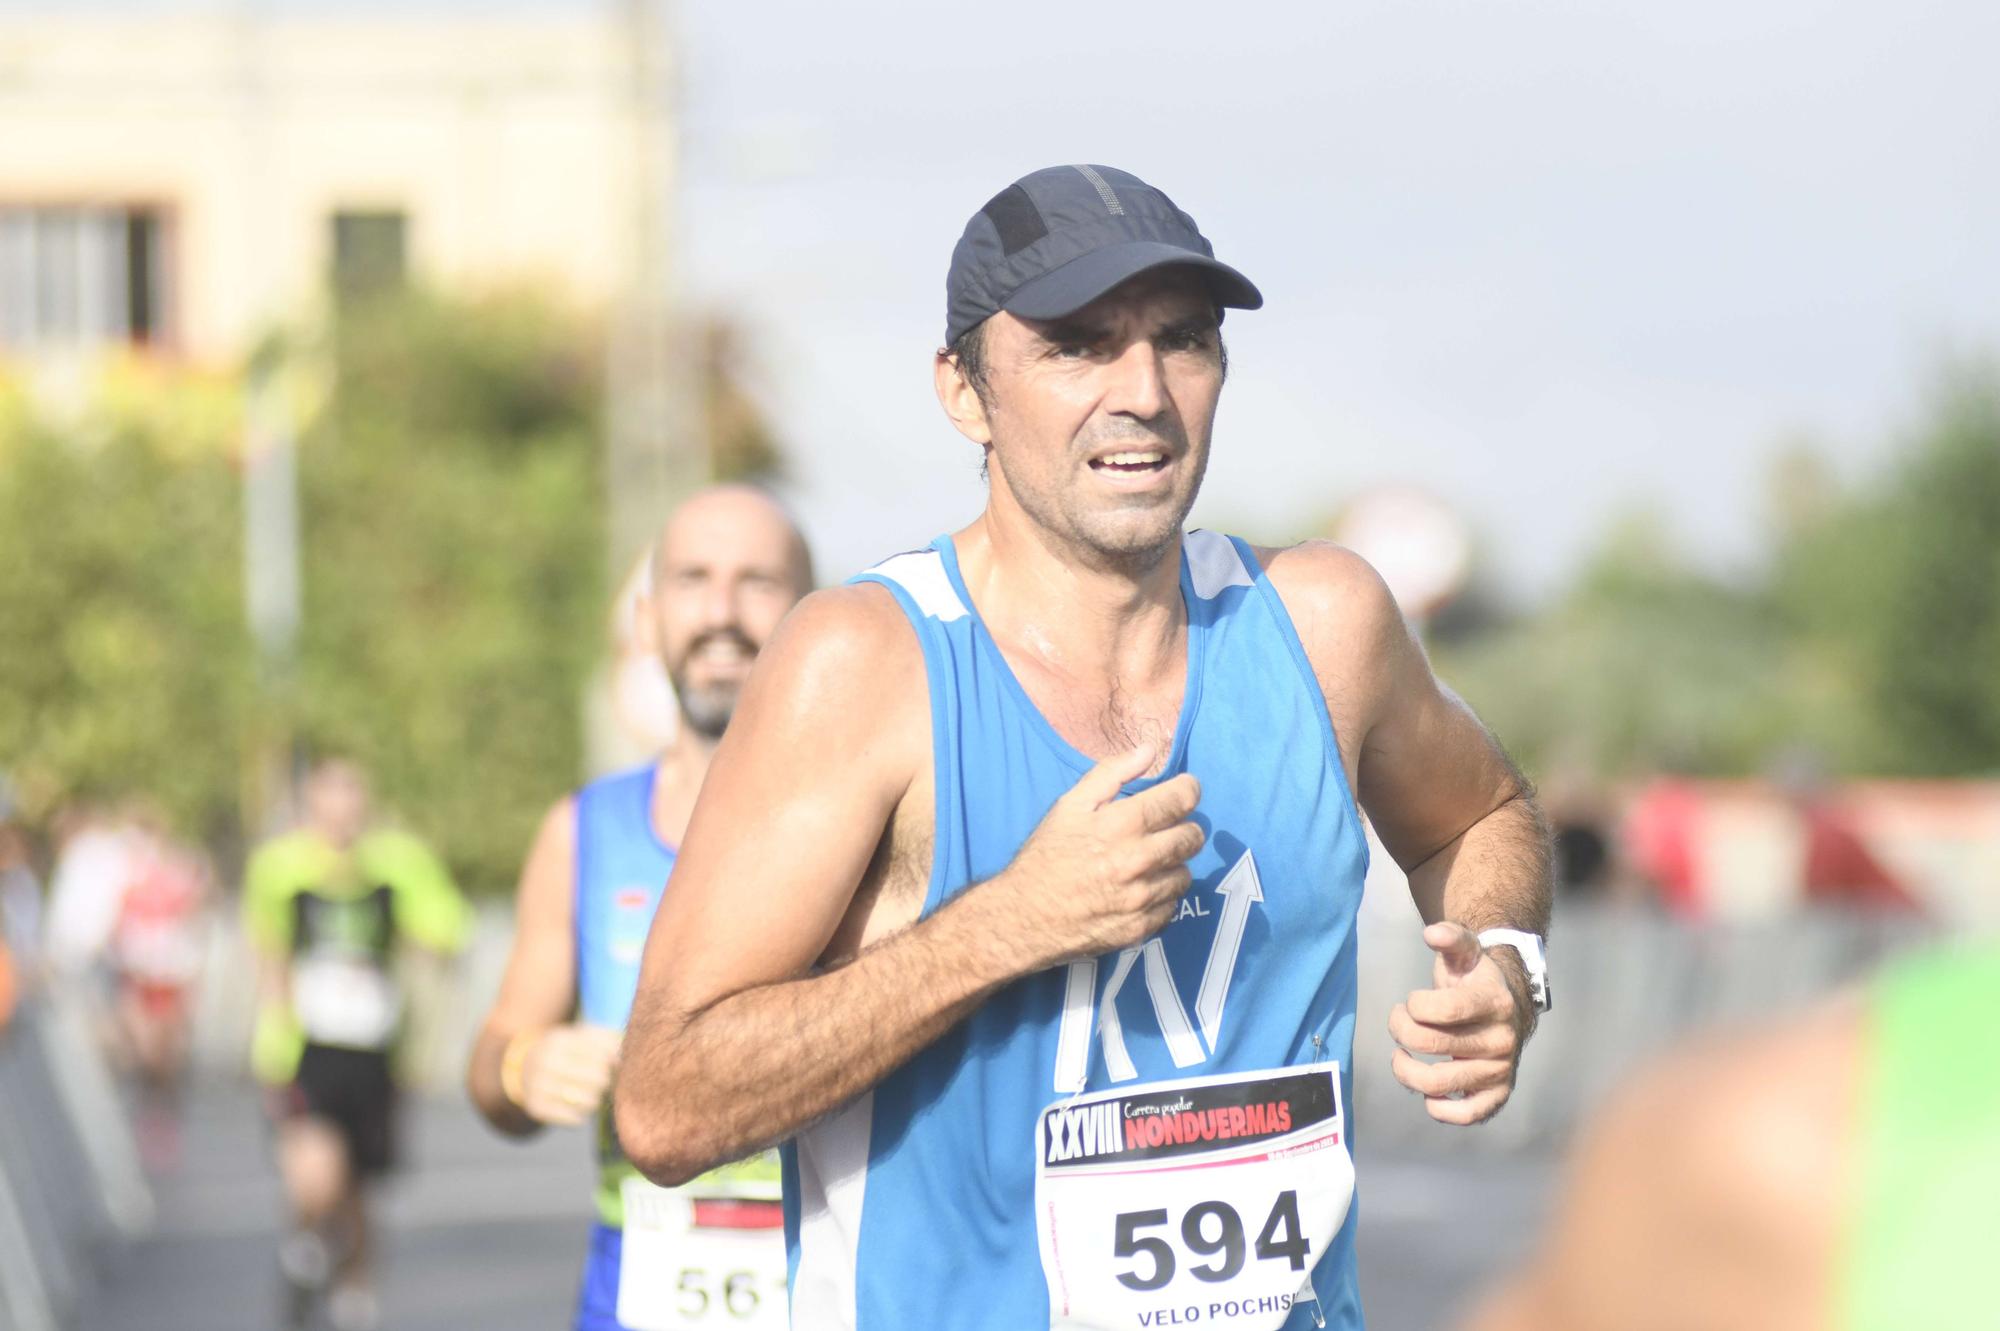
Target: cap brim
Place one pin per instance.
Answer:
(1065, 290)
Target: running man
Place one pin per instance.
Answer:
(1835, 1172)
(724, 571)
(1021, 895)
(328, 908)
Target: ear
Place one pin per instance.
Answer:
(645, 628)
(960, 399)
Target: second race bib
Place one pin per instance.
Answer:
(690, 1262)
(345, 1002)
(1199, 1202)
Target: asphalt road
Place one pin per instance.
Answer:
(487, 1235)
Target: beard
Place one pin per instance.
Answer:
(706, 709)
(1132, 534)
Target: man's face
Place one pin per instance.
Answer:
(724, 574)
(1099, 422)
(336, 800)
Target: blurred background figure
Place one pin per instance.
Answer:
(155, 952)
(330, 907)
(10, 985)
(721, 574)
(1833, 1171)
(20, 894)
(94, 864)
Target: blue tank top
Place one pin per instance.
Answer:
(621, 869)
(913, 1207)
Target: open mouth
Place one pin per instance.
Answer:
(1132, 462)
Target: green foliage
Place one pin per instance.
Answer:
(453, 580)
(1898, 589)
(453, 577)
(1643, 664)
(1874, 644)
(123, 658)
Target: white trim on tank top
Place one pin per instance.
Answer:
(921, 574)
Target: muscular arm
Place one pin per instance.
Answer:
(736, 1041)
(1452, 811)
(1447, 803)
(539, 987)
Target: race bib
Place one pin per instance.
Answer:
(691, 1262)
(345, 1002)
(1202, 1202)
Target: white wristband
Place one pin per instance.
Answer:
(1534, 959)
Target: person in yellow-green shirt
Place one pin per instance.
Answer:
(329, 907)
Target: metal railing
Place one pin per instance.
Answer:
(71, 1189)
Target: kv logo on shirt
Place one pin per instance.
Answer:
(1239, 889)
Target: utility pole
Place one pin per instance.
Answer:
(271, 581)
(655, 452)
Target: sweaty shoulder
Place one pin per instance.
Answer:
(844, 641)
(1346, 619)
(843, 669)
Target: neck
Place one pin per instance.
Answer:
(339, 841)
(681, 768)
(1074, 611)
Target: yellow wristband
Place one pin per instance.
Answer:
(511, 1060)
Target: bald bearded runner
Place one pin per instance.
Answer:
(726, 568)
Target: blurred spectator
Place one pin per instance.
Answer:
(1663, 841)
(154, 954)
(329, 907)
(1579, 820)
(20, 897)
(1834, 1170)
(9, 987)
(93, 865)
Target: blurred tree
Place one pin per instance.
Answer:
(1896, 588)
(741, 445)
(123, 656)
(1643, 664)
(453, 563)
(454, 600)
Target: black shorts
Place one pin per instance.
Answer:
(354, 1090)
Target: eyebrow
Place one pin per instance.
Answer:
(1073, 330)
(1204, 322)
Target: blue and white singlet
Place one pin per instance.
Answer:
(913, 1207)
(621, 869)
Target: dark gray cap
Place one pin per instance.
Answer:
(1057, 239)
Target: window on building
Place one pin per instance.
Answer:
(369, 252)
(80, 276)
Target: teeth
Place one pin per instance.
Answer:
(1131, 459)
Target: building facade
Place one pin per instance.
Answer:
(187, 182)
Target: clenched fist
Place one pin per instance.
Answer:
(564, 1073)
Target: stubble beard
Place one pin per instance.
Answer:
(1129, 539)
(706, 712)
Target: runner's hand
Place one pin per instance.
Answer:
(1474, 1016)
(566, 1072)
(1103, 872)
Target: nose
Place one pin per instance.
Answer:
(1137, 388)
(718, 604)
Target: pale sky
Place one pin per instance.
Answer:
(1546, 258)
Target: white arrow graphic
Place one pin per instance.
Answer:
(1239, 887)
